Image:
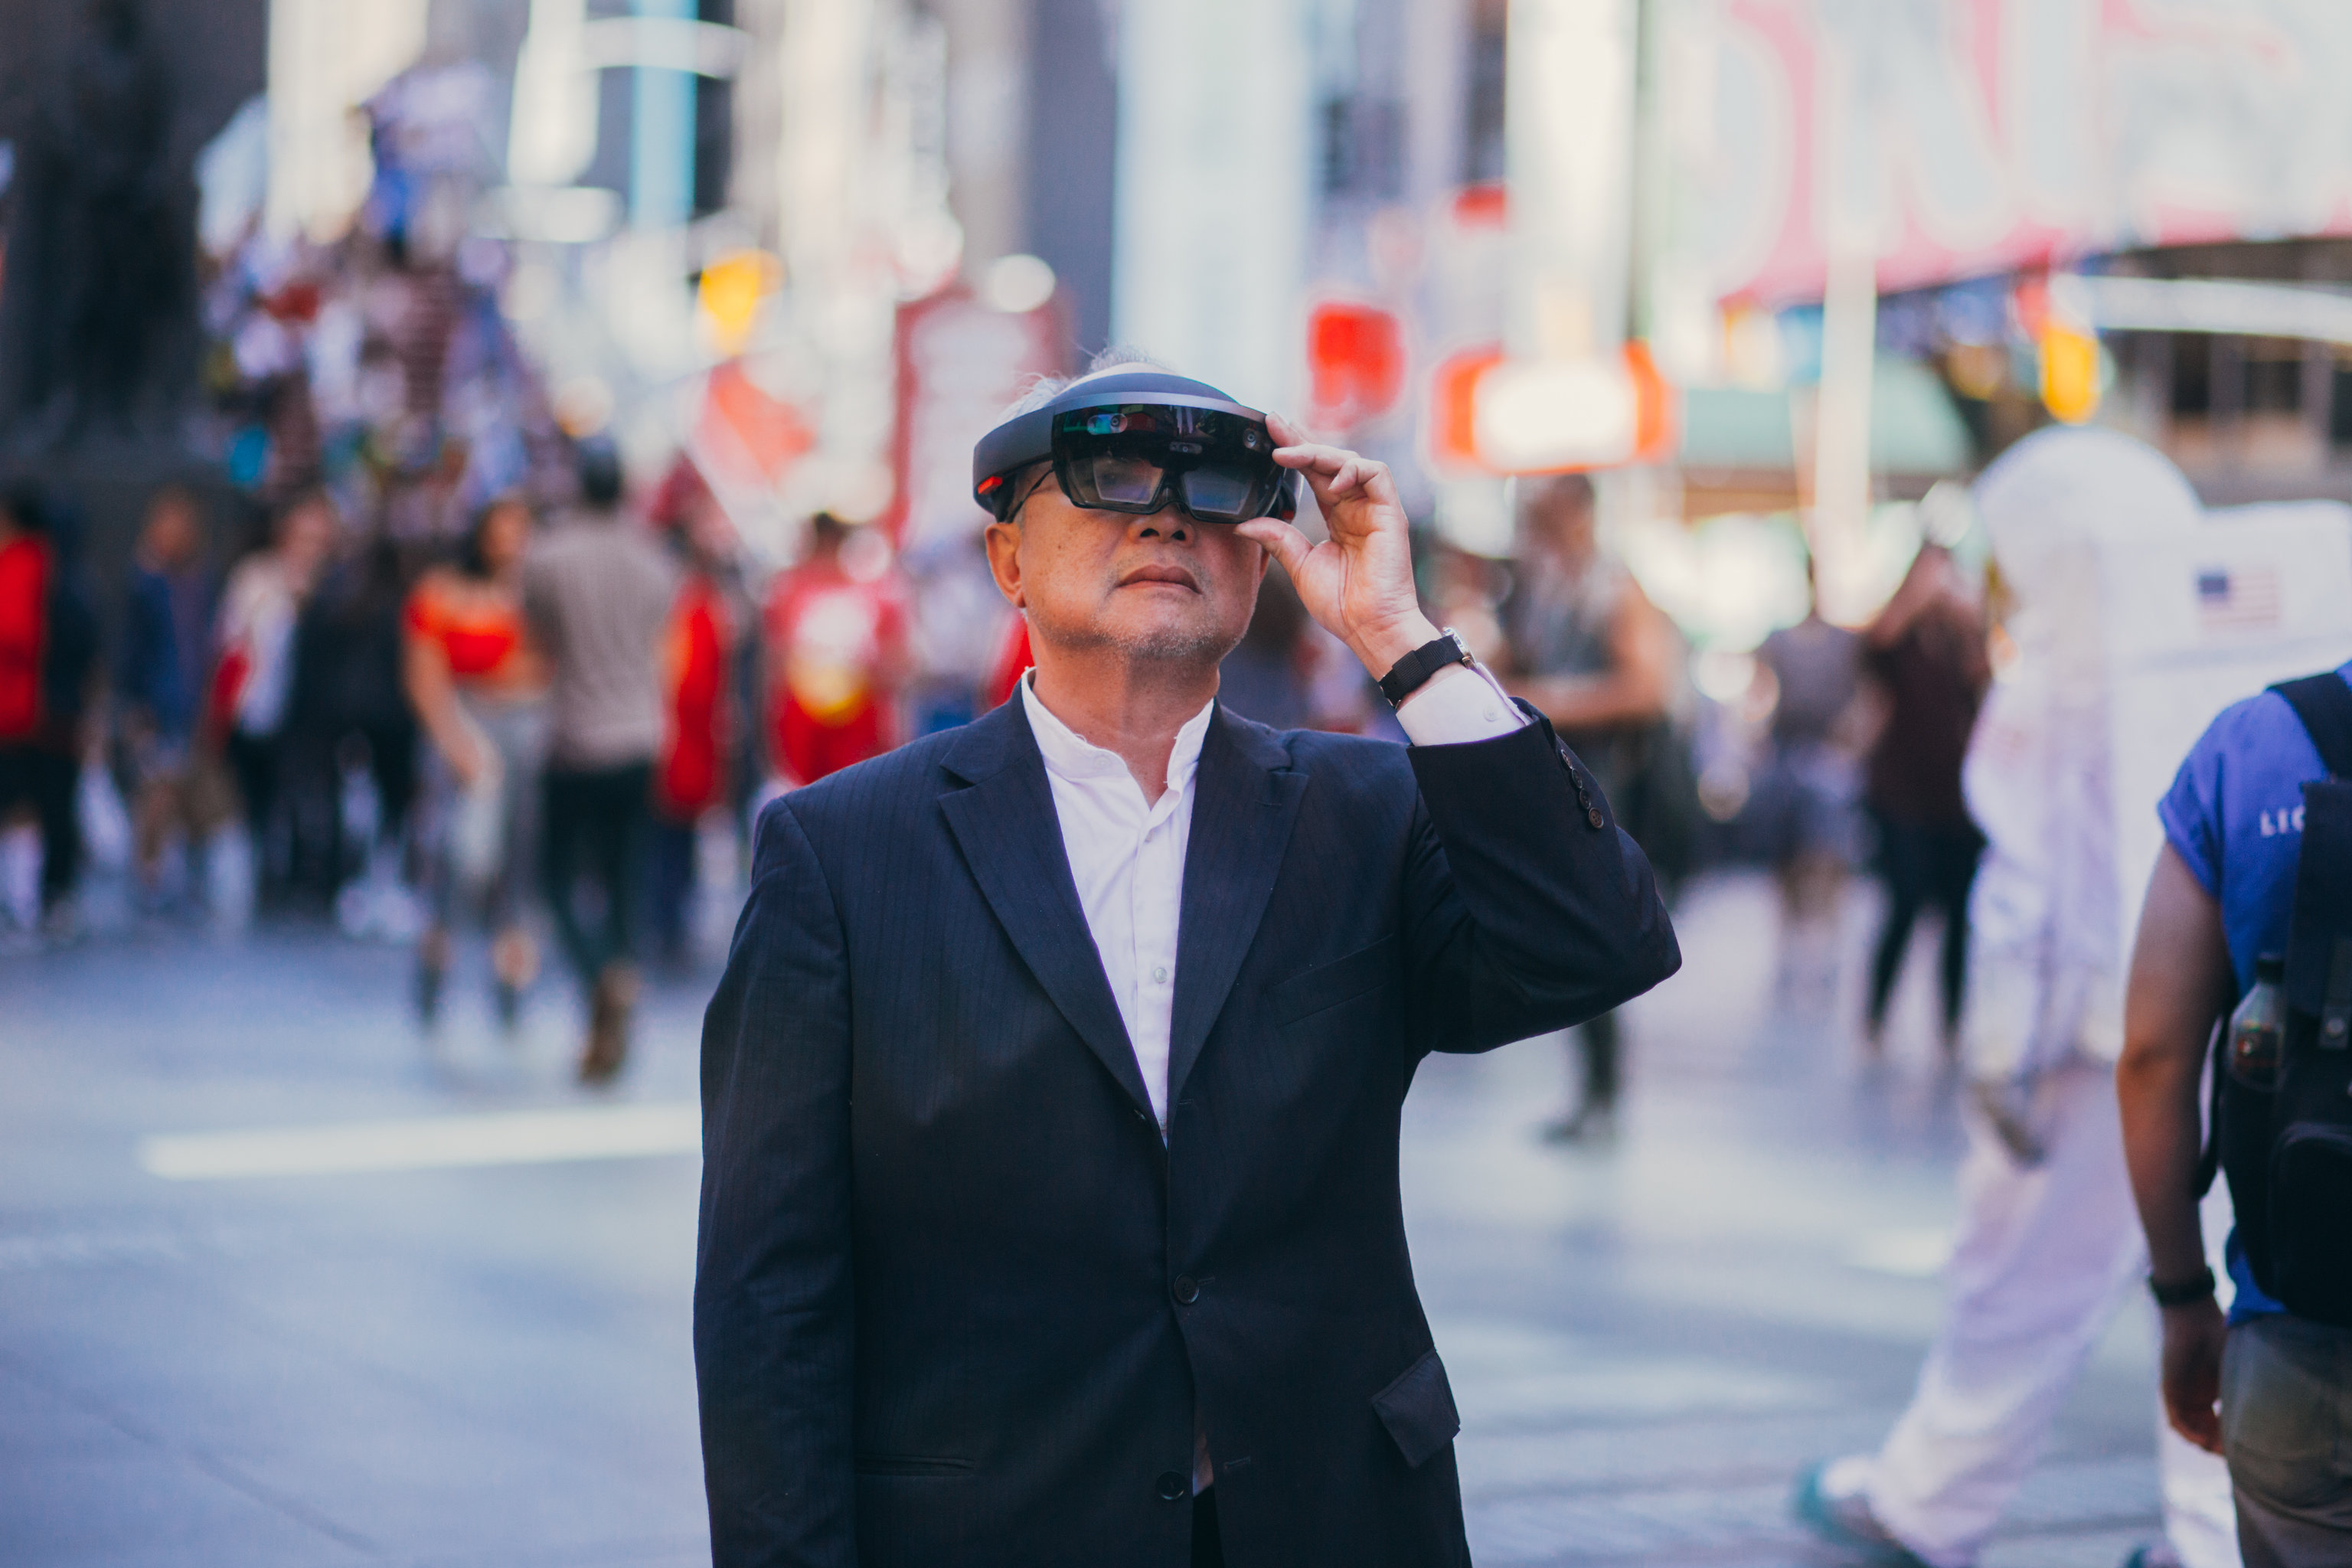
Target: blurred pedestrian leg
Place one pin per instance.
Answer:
(1923, 868)
(2044, 1256)
(598, 829)
(40, 781)
(1593, 1053)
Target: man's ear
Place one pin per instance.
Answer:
(1004, 541)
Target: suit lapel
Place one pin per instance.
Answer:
(1245, 797)
(1004, 819)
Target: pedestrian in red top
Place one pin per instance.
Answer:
(691, 774)
(838, 656)
(47, 645)
(479, 683)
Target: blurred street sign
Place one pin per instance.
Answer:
(2070, 372)
(731, 292)
(1452, 424)
(745, 433)
(1355, 364)
(959, 363)
(1497, 416)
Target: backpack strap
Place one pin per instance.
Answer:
(2324, 703)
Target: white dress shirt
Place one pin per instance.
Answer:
(1127, 855)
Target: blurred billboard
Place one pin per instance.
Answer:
(1994, 135)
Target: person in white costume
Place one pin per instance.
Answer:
(2048, 1242)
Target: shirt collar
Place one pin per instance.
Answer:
(1070, 756)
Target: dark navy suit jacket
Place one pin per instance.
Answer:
(956, 1302)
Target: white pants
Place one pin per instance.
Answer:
(2042, 1258)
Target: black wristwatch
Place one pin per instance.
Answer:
(1414, 670)
(2182, 1292)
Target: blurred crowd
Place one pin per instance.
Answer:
(554, 709)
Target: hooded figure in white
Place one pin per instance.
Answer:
(2048, 1241)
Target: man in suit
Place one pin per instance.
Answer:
(1050, 1211)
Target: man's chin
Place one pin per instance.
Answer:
(1189, 639)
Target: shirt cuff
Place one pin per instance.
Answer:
(1459, 704)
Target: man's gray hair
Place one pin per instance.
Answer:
(1046, 388)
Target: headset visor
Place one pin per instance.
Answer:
(1131, 456)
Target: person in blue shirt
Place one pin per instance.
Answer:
(160, 679)
(2272, 1392)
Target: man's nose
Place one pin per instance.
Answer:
(1170, 521)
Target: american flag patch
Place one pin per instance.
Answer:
(2243, 600)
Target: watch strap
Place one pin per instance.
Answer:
(2182, 1292)
(1412, 671)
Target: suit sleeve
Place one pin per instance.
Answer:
(1527, 908)
(774, 1317)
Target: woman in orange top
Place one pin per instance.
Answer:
(479, 689)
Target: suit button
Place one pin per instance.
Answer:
(1593, 816)
(1186, 1291)
(1173, 1487)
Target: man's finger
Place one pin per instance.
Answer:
(1288, 545)
(1332, 473)
(1337, 475)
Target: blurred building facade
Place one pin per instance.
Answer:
(715, 213)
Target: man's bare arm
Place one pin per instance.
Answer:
(2180, 983)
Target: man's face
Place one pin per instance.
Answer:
(1158, 588)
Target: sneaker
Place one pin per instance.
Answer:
(1847, 1523)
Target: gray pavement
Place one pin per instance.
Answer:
(422, 1359)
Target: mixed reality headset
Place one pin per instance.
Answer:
(1135, 440)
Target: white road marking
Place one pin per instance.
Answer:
(429, 1143)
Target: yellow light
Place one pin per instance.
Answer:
(730, 293)
(2069, 373)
